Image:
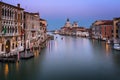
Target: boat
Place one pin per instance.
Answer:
(108, 42)
(116, 46)
(104, 39)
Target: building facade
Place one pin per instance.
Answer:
(31, 30)
(96, 29)
(106, 30)
(118, 24)
(43, 30)
(73, 30)
(116, 30)
(11, 29)
(102, 29)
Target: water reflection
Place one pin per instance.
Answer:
(56, 45)
(69, 59)
(36, 53)
(6, 70)
(17, 66)
(107, 47)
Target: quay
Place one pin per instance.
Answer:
(27, 55)
(24, 55)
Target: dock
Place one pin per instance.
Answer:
(27, 55)
(5, 60)
(10, 58)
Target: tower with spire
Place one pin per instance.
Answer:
(68, 24)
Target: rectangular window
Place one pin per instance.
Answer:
(2, 12)
(32, 34)
(2, 47)
(13, 46)
(116, 31)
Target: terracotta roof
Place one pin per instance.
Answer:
(107, 23)
(103, 22)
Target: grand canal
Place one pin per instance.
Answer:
(70, 58)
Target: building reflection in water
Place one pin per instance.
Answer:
(51, 45)
(6, 70)
(36, 53)
(93, 41)
(17, 66)
(107, 49)
(55, 45)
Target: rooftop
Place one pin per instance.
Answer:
(18, 5)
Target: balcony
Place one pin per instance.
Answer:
(9, 34)
(34, 30)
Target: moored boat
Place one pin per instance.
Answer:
(108, 42)
(116, 46)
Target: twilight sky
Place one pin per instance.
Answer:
(85, 12)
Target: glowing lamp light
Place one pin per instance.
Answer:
(6, 46)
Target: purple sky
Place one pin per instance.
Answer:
(83, 11)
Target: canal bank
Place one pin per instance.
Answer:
(26, 54)
(70, 58)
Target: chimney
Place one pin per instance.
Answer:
(18, 5)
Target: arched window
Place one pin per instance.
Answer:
(10, 13)
(2, 47)
(8, 29)
(13, 29)
(2, 11)
(13, 46)
(15, 15)
(5, 12)
(2, 28)
(16, 29)
(28, 46)
(16, 45)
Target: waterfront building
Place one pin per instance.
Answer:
(11, 29)
(32, 30)
(116, 30)
(74, 30)
(118, 24)
(82, 31)
(96, 29)
(66, 29)
(68, 24)
(75, 24)
(102, 29)
(106, 30)
(43, 29)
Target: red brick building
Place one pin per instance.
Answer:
(106, 29)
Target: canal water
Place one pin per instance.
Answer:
(70, 58)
